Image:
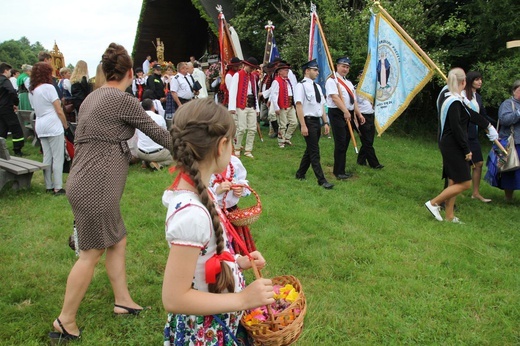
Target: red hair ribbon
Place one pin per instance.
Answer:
(214, 265)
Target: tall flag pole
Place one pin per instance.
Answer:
(396, 69)
(226, 46)
(271, 49)
(319, 50)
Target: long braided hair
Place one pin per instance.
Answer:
(198, 128)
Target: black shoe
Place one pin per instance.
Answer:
(343, 176)
(300, 177)
(59, 192)
(378, 166)
(327, 185)
(18, 153)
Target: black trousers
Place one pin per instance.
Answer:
(9, 123)
(367, 151)
(341, 139)
(311, 156)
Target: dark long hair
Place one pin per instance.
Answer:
(41, 74)
(471, 76)
(199, 126)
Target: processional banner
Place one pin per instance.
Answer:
(318, 50)
(394, 72)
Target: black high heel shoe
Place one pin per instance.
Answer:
(57, 338)
(131, 311)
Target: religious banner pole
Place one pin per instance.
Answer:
(329, 58)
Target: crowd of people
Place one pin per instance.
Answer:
(173, 121)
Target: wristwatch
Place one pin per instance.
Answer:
(325, 124)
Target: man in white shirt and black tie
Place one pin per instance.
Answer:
(310, 102)
(342, 105)
(180, 86)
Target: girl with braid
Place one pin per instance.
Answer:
(204, 289)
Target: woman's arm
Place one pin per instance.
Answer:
(507, 115)
(61, 115)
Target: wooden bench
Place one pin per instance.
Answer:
(16, 169)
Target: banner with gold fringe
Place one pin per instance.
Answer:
(395, 72)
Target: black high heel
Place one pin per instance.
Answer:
(131, 311)
(57, 337)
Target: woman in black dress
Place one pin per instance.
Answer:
(454, 145)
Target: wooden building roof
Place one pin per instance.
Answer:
(187, 27)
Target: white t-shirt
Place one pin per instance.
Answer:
(146, 143)
(47, 122)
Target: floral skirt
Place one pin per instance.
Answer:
(188, 330)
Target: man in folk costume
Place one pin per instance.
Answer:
(243, 105)
(265, 86)
(139, 83)
(231, 68)
(310, 102)
(282, 91)
(343, 107)
(181, 87)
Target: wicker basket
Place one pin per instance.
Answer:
(244, 216)
(285, 327)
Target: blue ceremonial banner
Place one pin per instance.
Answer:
(271, 49)
(318, 51)
(274, 51)
(394, 72)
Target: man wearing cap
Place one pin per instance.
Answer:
(155, 84)
(231, 68)
(265, 92)
(281, 97)
(310, 102)
(243, 105)
(367, 131)
(180, 87)
(342, 104)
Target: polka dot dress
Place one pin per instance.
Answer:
(108, 118)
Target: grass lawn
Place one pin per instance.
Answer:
(376, 267)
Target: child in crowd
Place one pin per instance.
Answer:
(228, 195)
(204, 289)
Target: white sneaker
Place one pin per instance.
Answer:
(434, 209)
(455, 220)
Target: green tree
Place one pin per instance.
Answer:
(17, 53)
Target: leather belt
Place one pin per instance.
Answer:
(150, 152)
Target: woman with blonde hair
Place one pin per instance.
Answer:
(453, 143)
(100, 79)
(80, 86)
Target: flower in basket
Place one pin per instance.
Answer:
(284, 296)
(213, 71)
